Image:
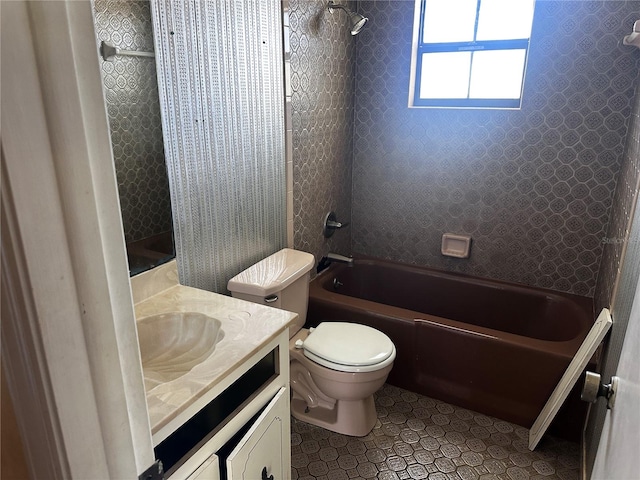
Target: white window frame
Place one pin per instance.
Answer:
(419, 47)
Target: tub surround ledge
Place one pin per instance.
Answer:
(247, 328)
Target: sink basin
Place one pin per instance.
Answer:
(171, 344)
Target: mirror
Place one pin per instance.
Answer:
(133, 107)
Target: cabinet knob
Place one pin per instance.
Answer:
(264, 474)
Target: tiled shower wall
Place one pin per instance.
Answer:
(624, 202)
(131, 93)
(533, 187)
(322, 84)
(619, 273)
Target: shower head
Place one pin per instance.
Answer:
(357, 21)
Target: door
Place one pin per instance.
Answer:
(618, 447)
(260, 453)
(68, 327)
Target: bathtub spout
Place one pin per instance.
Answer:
(331, 258)
(334, 257)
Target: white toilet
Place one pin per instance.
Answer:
(336, 367)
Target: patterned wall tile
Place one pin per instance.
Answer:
(623, 205)
(131, 94)
(533, 187)
(618, 277)
(322, 83)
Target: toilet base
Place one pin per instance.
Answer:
(355, 418)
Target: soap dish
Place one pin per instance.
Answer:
(457, 246)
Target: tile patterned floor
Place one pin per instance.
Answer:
(417, 437)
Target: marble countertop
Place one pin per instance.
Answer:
(246, 326)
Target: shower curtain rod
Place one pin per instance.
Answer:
(108, 51)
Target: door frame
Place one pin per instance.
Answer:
(69, 343)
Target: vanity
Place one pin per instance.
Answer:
(216, 374)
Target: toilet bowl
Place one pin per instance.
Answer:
(338, 396)
(335, 368)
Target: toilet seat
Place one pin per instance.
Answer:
(349, 347)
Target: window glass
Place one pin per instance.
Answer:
(445, 75)
(504, 19)
(497, 74)
(443, 24)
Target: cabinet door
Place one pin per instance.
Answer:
(209, 470)
(260, 454)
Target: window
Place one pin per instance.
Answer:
(470, 53)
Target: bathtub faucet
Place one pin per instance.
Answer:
(331, 258)
(334, 257)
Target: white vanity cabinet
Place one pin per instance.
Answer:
(228, 417)
(259, 453)
(253, 442)
(209, 470)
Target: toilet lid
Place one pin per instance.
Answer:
(349, 344)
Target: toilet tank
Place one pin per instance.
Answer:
(280, 280)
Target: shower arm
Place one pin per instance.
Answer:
(333, 5)
(357, 20)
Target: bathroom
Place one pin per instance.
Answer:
(414, 199)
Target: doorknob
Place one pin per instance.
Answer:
(594, 388)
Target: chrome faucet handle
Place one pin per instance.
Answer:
(331, 224)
